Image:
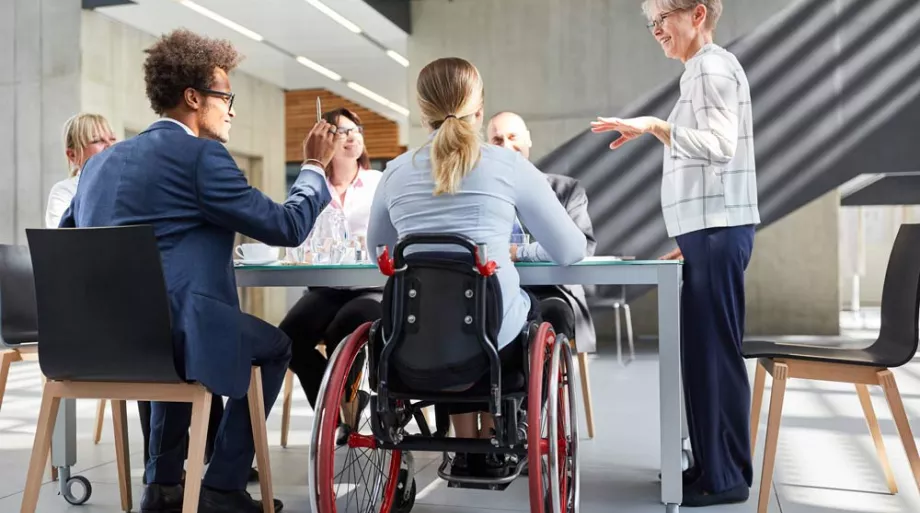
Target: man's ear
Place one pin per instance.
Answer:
(192, 99)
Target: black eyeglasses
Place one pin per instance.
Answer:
(654, 24)
(227, 97)
(347, 131)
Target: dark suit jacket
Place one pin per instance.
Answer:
(196, 198)
(573, 197)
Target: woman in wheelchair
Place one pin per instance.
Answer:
(456, 331)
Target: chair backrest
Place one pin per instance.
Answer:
(441, 316)
(103, 311)
(18, 317)
(899, 333)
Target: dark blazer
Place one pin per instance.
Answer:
(196, 198)
(573, 197)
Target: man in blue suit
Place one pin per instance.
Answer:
(179, 178)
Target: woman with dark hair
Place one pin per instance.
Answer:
(326, 314)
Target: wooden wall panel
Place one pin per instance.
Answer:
(381, 135)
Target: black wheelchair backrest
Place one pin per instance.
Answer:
(441, 316)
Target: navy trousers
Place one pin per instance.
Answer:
(233, 450)
(716, 387)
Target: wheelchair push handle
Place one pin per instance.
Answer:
(388, 266)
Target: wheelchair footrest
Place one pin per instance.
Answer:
(480, 483)
(479, 486)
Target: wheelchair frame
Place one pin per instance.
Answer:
(548, 372)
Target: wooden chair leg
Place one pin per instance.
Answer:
(886, 379)
(100, 419)
(51, 467)
(286, 407)
(780, 374)
(760, 378)
(46, 418)
(198, 437)
(586, 392)
(260, 439)
(122, 456)
(6, 358)
(866, 401)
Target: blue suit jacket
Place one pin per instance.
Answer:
(196, 198)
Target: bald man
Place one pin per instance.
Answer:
(563, 306)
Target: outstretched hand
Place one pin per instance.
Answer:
(629, 129)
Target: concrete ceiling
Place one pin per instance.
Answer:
(290, 29)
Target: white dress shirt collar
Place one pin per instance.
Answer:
(184, 127)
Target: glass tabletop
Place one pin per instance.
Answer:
(590, 261)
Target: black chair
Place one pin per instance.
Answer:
(18, 319)
(104, 317)
(895, 346)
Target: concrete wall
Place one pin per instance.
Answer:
(879, 226)
(560, 63)
(39, 90)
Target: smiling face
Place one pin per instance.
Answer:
(354, 140)
(679, 31)
(509, 131)
(216, 115)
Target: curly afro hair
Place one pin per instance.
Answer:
(183, 59)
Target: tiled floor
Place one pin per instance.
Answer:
(826, 460)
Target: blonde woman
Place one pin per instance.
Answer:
(456, 184)
(709, 202)
(84, 136)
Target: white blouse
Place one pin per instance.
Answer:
(59, 199)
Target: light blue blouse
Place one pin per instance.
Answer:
(502, 183)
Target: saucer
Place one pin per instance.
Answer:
(268, 261)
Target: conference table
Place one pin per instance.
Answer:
(664, 274)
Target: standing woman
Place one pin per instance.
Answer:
(709, 201)
(84, 136)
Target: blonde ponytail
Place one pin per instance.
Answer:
(450, 94)
(455, 151)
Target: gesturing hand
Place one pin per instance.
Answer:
(322, 142)
(629, 128)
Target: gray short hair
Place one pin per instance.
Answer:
(713, 8)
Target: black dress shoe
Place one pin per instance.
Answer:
(253, 475)
(460, 465)
(689, 477)
(237, 501)
(698, 498)
(162, 499)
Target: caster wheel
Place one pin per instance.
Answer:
(672, 508)
(403, 503)
(77, 490)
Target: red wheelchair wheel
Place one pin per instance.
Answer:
(355, 476)
(552, 435)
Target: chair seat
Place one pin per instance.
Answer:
(836, 350)
(16, 337)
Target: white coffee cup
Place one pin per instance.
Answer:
(256, 252)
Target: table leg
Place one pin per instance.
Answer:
(670, 384)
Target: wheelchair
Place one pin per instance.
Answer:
(435, 346)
